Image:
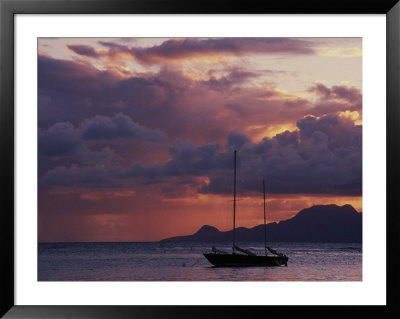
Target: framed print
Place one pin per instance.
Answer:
(164, 158)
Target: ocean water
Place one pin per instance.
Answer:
(185, 262)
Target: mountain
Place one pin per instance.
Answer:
(322, 223)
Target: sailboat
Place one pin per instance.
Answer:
(242, 257)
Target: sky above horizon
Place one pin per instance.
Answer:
(136, 135)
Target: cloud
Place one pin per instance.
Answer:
(63, 139)
(85, 50)
(234, 77)
(120, 126)
(351, 94)
(177, 105)
(236, 140)
(323, 156)
(194, 48)
(63, 70)
(92, 117)
(73, 91)
(188, 160)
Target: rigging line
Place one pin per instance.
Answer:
(234, 201)
(265, 222)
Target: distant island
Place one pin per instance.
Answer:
(321, 223)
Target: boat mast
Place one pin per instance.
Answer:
(234, 201)
(265, 224)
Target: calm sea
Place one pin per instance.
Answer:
(185, 262)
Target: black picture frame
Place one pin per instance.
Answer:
(8, 10)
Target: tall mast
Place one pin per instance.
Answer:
(265, 224)
(234, 200)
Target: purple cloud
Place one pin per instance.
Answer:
(323, 157)
(351, 94)
(186, 48)
(85, 50)
(62, 139)
(85, 113)
(120, 126)
(234, 77)
(72, 92)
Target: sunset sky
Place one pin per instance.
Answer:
(136, 135)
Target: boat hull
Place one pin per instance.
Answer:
(237, 260)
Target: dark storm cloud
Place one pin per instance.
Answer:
(236, 140)
(337, 92)
(68, 90)
(80, 106)
(188, 160)
(118, 127)
(349, 94)
(63, 70)
(176, 49)
(62, 139)
(322, 157)
(341, 132)
(85, 50)
(338, 98)
(74, 91)
(288, 138)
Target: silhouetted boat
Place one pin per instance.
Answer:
(242, 257)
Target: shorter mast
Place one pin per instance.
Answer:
(265, 224)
